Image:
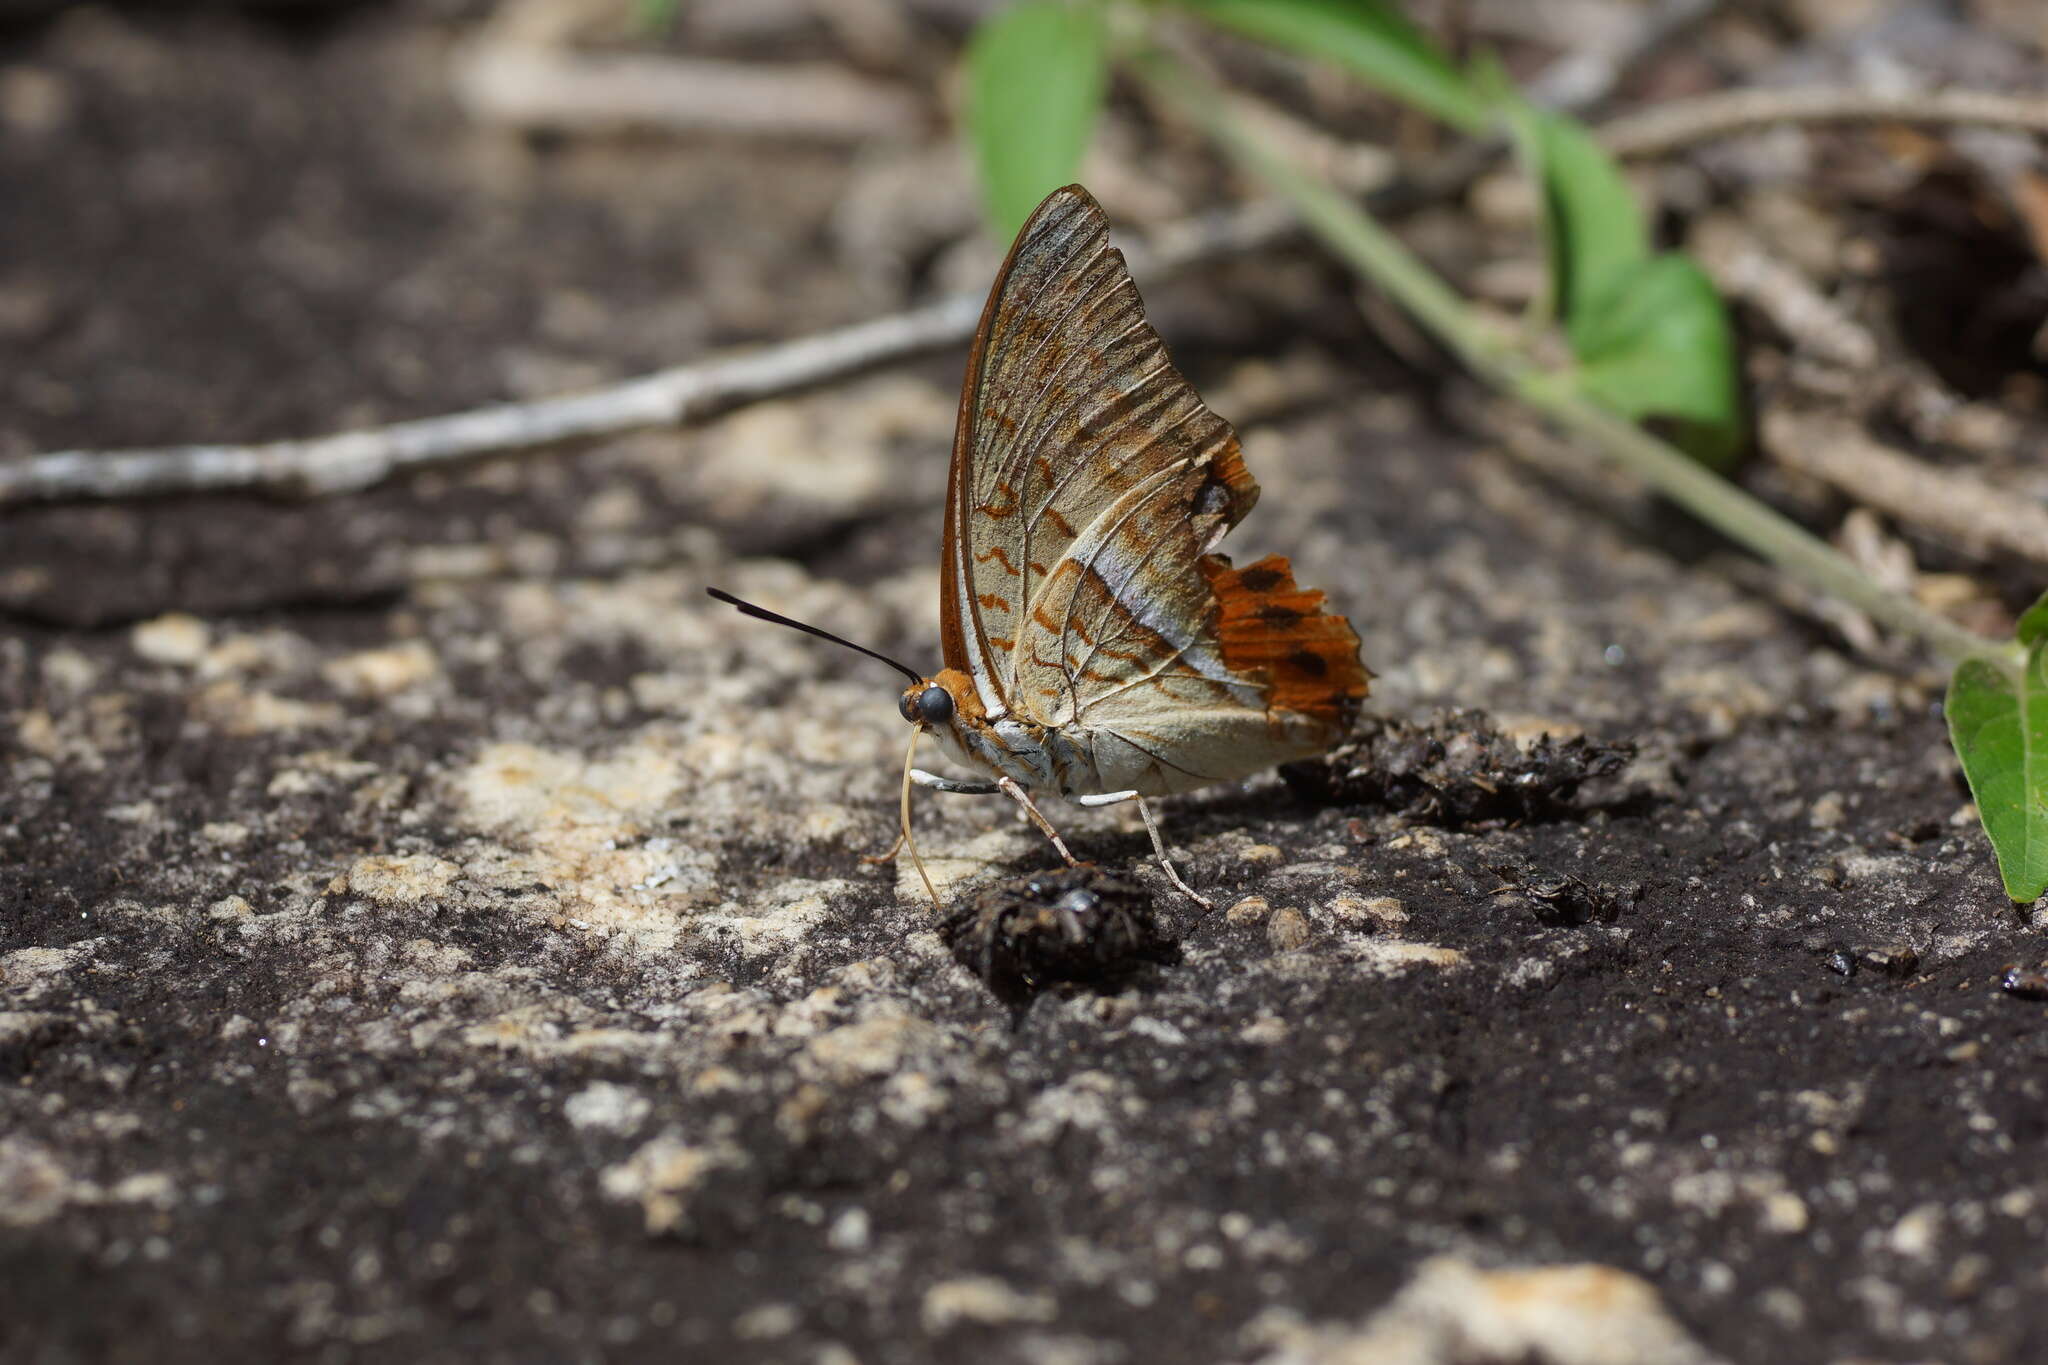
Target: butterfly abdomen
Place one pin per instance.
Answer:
(1268, 626)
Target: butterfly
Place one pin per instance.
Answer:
(1096, 647)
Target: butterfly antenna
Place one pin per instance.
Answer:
(763, 614)
(909, 758)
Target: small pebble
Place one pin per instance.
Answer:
(1381, 914)
(1785, 1213)
(1287, 929)
(1264, 1031)
(1250, 910)
(1893, 959)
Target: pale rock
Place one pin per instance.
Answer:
(871, 1048)
(176, 640)
(37, 966)
(1287, 930)
(1453, 1311)
(1393, 955)
(1379, 914)
(1785, 1213)
(1249, 910)
(230, 909)
(1918, 1233)
(851, 1231)
(242, 712)
(1826, 812)
(662, 1175)
(607, 1108)
(408, 880)
(766, 1323)
(380, 673)
(34, 1186)
(70, 672)
(981, 1300)
(1264, 1031)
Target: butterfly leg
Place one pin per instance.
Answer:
(954, 784)
(1159, 847)
(936, 783)
(1158, 844)
(1008, 787)
(886, 856)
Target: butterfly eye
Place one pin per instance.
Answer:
(907, 704)
(935, 705)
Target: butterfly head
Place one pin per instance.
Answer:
(926, 703)
(945, 704)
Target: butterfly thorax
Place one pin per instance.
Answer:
(1036, 756)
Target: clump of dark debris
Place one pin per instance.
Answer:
(1560, 900)
(2028, 983)
(1075, 926)
(1456, 770)
(1895, 960)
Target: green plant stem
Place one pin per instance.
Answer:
(1382, 258)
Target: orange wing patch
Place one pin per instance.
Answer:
(1266, 624)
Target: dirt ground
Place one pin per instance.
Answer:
(431, 930)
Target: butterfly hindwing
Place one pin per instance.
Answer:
(1090, 484)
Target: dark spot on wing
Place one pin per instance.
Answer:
(1309, 662)
(1258, 578)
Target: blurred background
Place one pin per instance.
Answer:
(429, 927)
(235, 223)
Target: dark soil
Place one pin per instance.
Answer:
(429, 930)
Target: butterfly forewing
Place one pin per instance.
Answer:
(1070, 404)
(1089, 485)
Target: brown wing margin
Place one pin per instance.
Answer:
(1062, 412)
(1267, 626)
(959, 613)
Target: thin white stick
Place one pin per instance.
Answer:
(357, 459)
(529, 85)
(1679, 123)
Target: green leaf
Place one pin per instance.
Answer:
(2033, 623)
(1998, 723)
(1650, 333)
(1658, 344)
(1592, 225)
(1368, 38)
(656, 16)
(1035, 76)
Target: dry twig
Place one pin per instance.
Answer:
(1963, 510)
(353, 460)
(530, 86)
(1584, 77)
(1816, 323)
(1680, 123)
